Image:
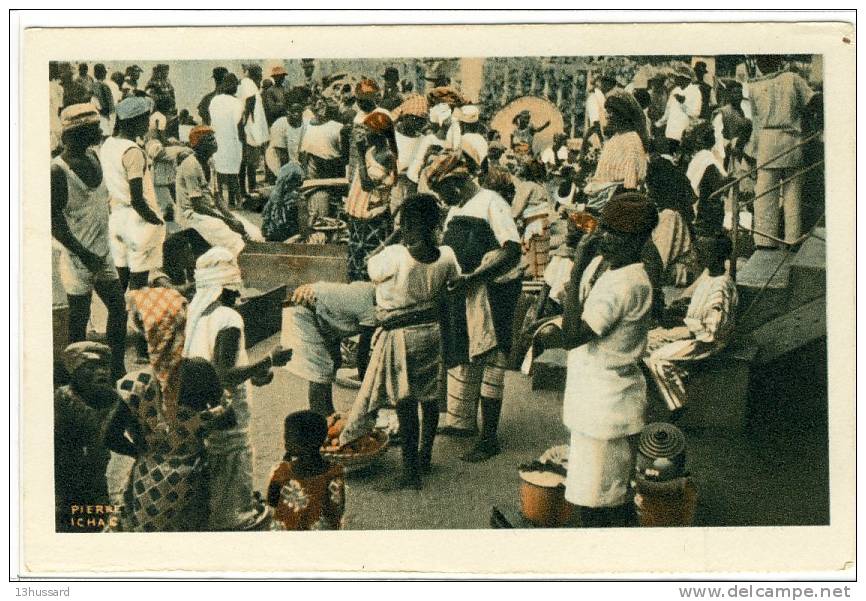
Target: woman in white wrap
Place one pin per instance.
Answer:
(215, 332)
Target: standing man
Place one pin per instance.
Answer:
(135, 227)
(704, 88)
(84, 80)
(219, 74)
(130, 80)
(104, 100)
(606, 317)
(160, 89)
(595, 114)
(226, 113)
(524, 132)
(780, 99)
(680, 108)
(391, 97)
(275, 97)
(482, 233)
(79, 222)
(255, 128)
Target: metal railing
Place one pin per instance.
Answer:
(732, 188)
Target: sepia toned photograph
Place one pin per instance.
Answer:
(582, 293)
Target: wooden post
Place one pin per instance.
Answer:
(735, 228)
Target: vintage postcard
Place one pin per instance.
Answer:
(547, 300)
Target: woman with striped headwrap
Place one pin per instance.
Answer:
(368, 202)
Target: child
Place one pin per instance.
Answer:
(306, 492)
(405, 365)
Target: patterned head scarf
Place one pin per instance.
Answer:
(446, 94)
(77, 115)
(197, 133)
(80, 353)
(162, 312)
(214, 270)
(451, 164)
(366, 88)
(415, 104)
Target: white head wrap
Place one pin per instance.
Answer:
(215, 270)
(468, 114)
(440, 113)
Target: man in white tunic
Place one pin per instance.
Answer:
(605, 322)
(135, 227)
(226, 113)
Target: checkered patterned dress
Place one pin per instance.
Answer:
(166, 490)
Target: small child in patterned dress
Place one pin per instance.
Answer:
(306, 491)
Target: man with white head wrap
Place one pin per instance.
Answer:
(215, 332)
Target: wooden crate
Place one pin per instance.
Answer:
(265, 265)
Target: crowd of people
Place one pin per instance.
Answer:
(445, 221)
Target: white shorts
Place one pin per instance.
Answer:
(135, 243)
(77, 280)
(599, 471)
(216, 232)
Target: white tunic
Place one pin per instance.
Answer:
(605, 391)
(225, 114)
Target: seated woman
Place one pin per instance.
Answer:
(705, 330)
(280, 214)
(160, 420)
(623, 159)
(306, 492)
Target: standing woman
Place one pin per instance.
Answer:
(368, 203)
(623, 159)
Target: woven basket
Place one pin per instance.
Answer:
(352, 461)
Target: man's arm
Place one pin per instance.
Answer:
(134, 164)
(503, 259)
(541, 127)
(60, 227)
(225, 354)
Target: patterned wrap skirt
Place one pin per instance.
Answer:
(365, 235)
(166, 493)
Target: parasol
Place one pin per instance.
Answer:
(540, 110)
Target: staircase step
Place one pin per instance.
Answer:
(751, 280)
(809, 271)
(760, 265)
(791, 331)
